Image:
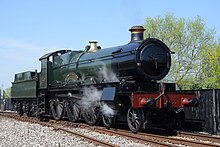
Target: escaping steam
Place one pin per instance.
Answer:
(107, 75)
(91, 98)
(92, 95)
(106, 110)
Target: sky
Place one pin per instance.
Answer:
(31, 28)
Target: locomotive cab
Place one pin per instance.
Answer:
(46, 74)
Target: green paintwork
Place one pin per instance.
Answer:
(82, 64)
(43, 74)
(24, 76)
(54, 66)
(46, 76)
(24, 85)
(62, 66)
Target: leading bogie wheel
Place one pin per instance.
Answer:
(135, 119)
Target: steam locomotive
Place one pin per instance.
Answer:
(116, 85)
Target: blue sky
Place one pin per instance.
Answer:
(31, 28)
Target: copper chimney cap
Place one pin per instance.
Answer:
(137, 33)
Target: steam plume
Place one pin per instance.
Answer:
(107, 75)
(106, 110)
(91, 97)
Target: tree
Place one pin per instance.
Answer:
(188, 39)
(211, 70)
(7, 93)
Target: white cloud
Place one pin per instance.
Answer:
(18, 56)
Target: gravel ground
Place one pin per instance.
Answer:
(15, 133)
(119, 141)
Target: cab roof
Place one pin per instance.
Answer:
(53, 53)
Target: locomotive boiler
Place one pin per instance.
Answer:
(115, 85)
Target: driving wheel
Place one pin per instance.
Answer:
(57, 108)
(91, 115)
(73, 110)
(134, 119)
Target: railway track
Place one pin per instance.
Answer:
(160, 140)
(167, 139)
(179, 139)
(203, 137)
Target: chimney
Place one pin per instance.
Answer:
(93, 46)
(137, 33)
